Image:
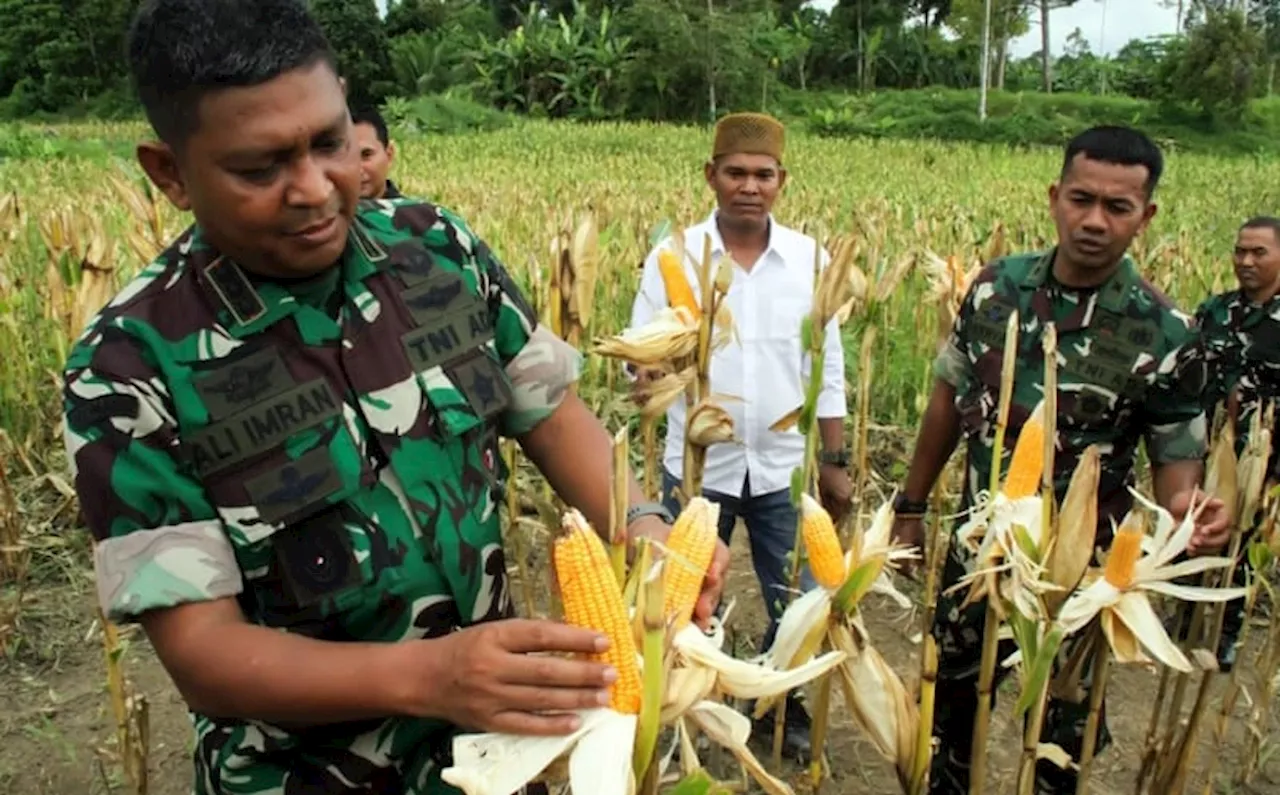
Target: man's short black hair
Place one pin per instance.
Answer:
(371, 116)
(181, 50)
(1264, 222)
(1121, 146)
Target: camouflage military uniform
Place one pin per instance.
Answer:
(1128, 369)
(334, 471)
(1241, 342)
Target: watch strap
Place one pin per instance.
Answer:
(906, 507)
(840, 458)
(649, 509)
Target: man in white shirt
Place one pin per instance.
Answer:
(763, 370)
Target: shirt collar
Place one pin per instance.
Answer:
(1113, 294)
(251, 307)
(710, 228)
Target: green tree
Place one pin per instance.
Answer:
(1218, 69)
(358, 37)
(1009, 20)
(1046, 58)
(58, 53)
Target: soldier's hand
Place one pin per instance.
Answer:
(910, 531)
(501, 677)
(1212, 524)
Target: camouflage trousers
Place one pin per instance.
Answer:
(959, 636)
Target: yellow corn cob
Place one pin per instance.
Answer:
(1125, 550)
(1027, 464)
(679, 293)
(593, 599)
(822, 545)
(690, 547)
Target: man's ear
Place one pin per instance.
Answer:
(709, 171)
(1147, 215)
(161, 164)
(342, 81)
(391, 151)
(782, 177)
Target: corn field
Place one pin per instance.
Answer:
(572, 211)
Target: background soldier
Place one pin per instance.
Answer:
(1126, 373)
(772, 290)
(1240, 334)
(284, 436)
(377, 154)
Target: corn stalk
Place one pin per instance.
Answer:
(1262, 557)
(130, 710)
(1048, 636)
(14, 556)
(1242, 491)
(991, 624)
(1099, 673)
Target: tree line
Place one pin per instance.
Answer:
(681, 59)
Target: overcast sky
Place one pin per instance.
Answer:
(1125, 20)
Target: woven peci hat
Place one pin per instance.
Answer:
(748, 133)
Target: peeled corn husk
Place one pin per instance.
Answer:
(672, 335)
(710, 424)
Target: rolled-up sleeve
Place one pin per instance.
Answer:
(952, 363)
(158, 542)
(833, 400)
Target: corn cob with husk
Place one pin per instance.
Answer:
(1222, 472)
(1239, 485)
(679, 341)
(827, 615)
(600, 751)
(680, 670)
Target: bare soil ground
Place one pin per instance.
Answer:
(57, 733)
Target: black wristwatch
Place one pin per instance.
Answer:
(905, 507)
(840, 459)
(649, 509)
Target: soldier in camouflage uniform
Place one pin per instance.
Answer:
(284, 436)
(1128, 371)
(1240, 334)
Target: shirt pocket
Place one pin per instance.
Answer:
(289, 515)
(467, 397)
(781, 318)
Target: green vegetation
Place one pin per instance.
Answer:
(879, 68)
(910, 203)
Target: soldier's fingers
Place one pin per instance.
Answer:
(526, 635)
(552, 672)
(528, 723)
(552, 699)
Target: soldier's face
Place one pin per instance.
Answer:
(1099, 208)
(746, 187)
(1257, 261)
(375, 161)
(270, 173)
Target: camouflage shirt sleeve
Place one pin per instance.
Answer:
(158, 541)
(1174, 427)
(542, 367)
(952, 363)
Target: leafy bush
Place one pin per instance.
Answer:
(440, 114)
(1027, 118)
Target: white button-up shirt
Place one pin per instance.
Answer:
(761, 371)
